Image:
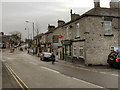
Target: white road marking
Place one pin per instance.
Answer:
(103, 72)
(33, 63)
(115, 75)
(50, 69)
(87, 82)
(10, 58)
(71, 77)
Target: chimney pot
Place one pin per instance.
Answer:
(114, 4)
(60, 22)
(96, 3)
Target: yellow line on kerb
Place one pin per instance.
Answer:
(17, 77)
(14, 77)
(73, 66)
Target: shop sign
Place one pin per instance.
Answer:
(67, 42)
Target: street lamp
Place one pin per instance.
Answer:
(33, 31)
(28, 31)
(32, 26)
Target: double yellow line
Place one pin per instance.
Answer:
(15, 76)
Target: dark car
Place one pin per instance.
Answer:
(114, 59)
(45, 56)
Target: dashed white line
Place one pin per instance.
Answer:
(103, 72)
(50, 69)
(115, 75)
(71, 77)
(87, 82)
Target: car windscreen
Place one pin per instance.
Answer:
(113, 54)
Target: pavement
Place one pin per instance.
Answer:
(38, 74)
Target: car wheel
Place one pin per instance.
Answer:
(41, 59)
(111, 65)
(115, 65)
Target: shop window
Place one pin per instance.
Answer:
(81, 52)
(77, 30)
(68, 50)
(108, 27)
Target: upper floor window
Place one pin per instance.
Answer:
(67, 33)
(77, 30)
(81, 51)
(108, 27)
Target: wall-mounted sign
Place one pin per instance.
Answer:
(55, 39)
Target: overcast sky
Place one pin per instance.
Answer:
(42, 12)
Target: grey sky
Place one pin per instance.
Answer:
(14, 14)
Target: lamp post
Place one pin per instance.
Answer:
(28, 32)
(33, 32)
(32, 26)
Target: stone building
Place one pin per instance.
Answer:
(48, 38)
(89, 36)
(58, 37)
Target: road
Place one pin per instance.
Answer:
(0, 69)
(34, 73)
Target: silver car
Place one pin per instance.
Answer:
(45, 56)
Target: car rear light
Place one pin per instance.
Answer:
(117, 59)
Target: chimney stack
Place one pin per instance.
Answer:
(60, 22)
(114, 4)
(73, 16)
(96, 3)
(50, 27)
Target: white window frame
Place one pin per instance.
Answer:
(108, 31)
(77, 26)
(81, 47)
(74, 51)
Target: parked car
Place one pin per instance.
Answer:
(114, 59)
(45, 56)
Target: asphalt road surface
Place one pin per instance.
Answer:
(30, 72)
(0, 69)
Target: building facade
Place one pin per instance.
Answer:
(88, 37)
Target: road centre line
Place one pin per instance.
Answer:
(18, 80)
(71, 77)
(115, 75)
(87, 82)
(50, 69)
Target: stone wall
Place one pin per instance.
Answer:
(98, 45)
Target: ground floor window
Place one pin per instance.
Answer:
(81, 52)
(74, 51)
